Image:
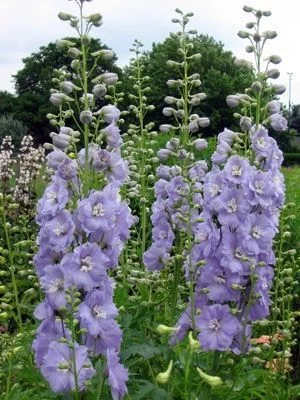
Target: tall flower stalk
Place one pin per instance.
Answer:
(83, 226)
(243, 195)
(177, 207)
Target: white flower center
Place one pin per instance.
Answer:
(98, 312)
(261, 142)
(214, 190)
(56, 285)
(256, 232)
(59, 229)
(64, 366)
(236, 170)
(219, 279)
(259, 187)
(52, 197)
(98, 210)
(232, 206)
(214, 325)
(86, 264)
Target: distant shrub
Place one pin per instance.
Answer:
(9, 126)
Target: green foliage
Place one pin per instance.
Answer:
(9, 126)
(7, 103)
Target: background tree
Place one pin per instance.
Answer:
(218, 74)
(34, 81)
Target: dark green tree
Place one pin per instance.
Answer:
(34, 81)
(218, 73)
(7, 103)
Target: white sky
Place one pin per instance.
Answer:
(25, 25)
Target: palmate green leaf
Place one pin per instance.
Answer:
(146, 351)
(149, 390)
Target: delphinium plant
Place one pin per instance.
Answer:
(242, 198)
(137, 147)
(178, 198)
(83, 226)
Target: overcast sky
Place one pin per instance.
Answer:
(25, 25)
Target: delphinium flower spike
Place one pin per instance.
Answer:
(243, 194)
(83, 225)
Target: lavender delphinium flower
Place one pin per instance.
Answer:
(84, 224)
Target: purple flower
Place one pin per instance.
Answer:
(54, 199)
(48, 331)
(54, 285)
(217, 327)
(278, 122)
(55, 158)
(155, 258)
(112, 135)
(58, 233)
(117, 375)
(237, 169)
(163, 235)
(96, 308)
(110, 113)
(85, 267)
(257, 233)
(96, 211)
(232, 207)
(110, 336)
(67, 169)
(58, 367)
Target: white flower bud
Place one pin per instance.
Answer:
(108, 78)
(86, 117)
(247, 9)
(270, 34)
(58, 98)
(203, 122)
(164, 128)
(250, 25)
(168, 111)
(274, 59)
(256, 87)
(64, 16)
(73, 52)
(249, 49)
(67, 87)
(243, 34)
(63, 44)
(85, 40)
(104, 54)
(273, 73)
(99, 90)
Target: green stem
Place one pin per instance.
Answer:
(100, 389)
(11, 262)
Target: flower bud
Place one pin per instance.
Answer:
(163, 377)
(203, 122)
(267, 13)
(104, 54)
(256, 87)
(243, 34)
(270, 34)
(233, 100)
(247, 9)
(250, 25)
(73, 52)
(279, 89)
(85, 40)
(67, 87)
(99, 90)
(108, 78)
(168, 111)
(274, 59)
(86, 117)
(194, 344)
(200, 144)
(273, 73)
(165, 128)
(63, 44)
(245, 123)
(163, 154)
(58, 98)
(64, 16)
(164, 329)
(209, 379)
